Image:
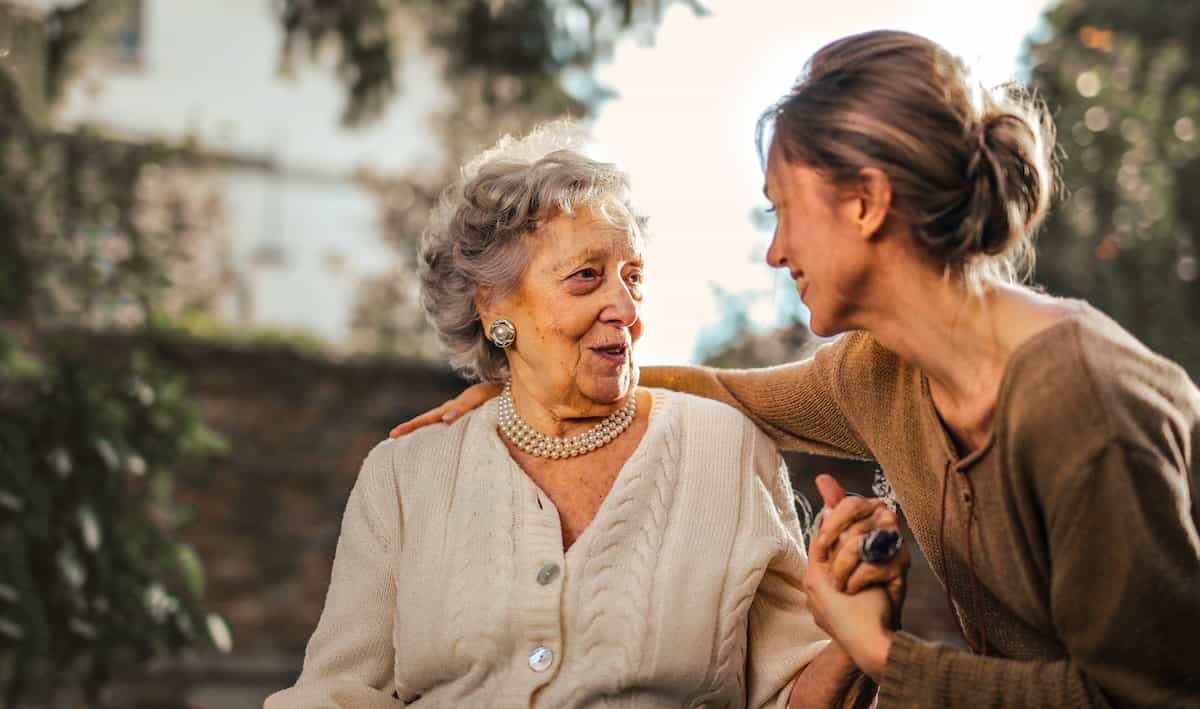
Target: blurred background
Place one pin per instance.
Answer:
(208, 219)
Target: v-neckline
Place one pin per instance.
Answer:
(621, 479)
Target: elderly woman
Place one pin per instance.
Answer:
(578, 541)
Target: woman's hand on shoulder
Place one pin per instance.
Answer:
(471, 398)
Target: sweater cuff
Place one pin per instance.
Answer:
(901, 672)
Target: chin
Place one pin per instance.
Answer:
(822, 327)
(819, 329)
(611, 388)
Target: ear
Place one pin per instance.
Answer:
(874, 201)
(483, 306)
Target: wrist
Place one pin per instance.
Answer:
(873, 655)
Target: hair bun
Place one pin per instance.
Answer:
(1007, 182)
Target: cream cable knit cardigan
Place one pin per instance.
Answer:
(450, 586)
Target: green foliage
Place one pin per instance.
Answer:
(201, 325)
(519, 48)
(1123, 81)
(92, 574)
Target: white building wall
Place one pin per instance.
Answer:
(208, 72)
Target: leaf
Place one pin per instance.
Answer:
(192, 569)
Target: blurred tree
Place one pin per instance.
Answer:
(1123, 82)
(735, 342)
(92, 573)
(518, 50)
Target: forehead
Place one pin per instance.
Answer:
(771, 179)
(586, 233)
(799, 180)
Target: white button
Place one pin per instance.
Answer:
(547, 574)
(541, 658)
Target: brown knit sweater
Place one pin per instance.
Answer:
(1068, 542)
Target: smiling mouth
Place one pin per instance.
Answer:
(618, 352)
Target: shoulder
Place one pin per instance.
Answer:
(868, 370)
(1135, 386)
(1085, 385)
(424, 454)
(435, 441)
(711, 430)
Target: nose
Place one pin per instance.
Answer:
(775, 257)
(622, 308)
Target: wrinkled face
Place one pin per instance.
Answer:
(818, 240)
(577, 314)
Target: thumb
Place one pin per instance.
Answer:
(831, 492)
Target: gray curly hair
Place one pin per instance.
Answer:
(483, 232)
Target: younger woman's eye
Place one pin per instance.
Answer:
(771, 209)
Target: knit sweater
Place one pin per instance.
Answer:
(450, 586)
(1068, 542)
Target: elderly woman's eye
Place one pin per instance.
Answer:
(587, 273)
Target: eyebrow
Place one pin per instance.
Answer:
(591, 254)
(574, 259)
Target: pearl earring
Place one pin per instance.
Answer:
(502, 334)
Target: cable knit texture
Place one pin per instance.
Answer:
(685, 590)
(1082, 575)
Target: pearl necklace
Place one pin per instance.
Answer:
(533, 442)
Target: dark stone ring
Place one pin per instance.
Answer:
(879, 546)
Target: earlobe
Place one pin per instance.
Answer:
(874, 201)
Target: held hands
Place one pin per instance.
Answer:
(472, 397)
(857, 603)
(845, 521)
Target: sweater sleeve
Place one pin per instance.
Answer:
(1123, 596)
(348, 662)
(798, 405)
(782, 637)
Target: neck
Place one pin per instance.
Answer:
(954, 338)
(961, 342)
(564, 415)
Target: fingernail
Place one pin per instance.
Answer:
(449, 415)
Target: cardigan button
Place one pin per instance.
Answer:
(541, 658)
(548, 573)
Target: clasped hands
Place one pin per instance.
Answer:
(857, 603)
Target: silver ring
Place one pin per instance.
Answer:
(879, 546)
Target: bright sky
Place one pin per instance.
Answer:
(683, 128)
